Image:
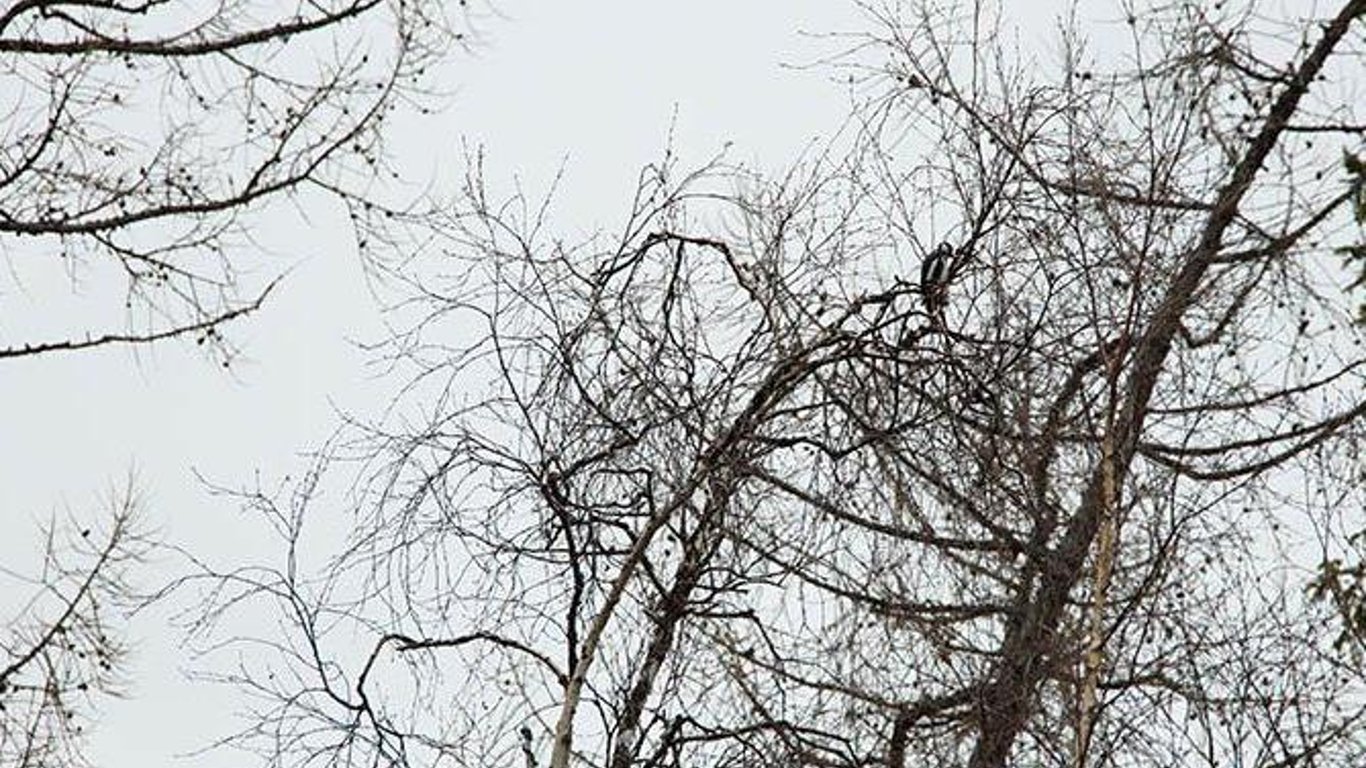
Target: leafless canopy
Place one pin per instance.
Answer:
(63, 647)
(714, 489)
(137, 137)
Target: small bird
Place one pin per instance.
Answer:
(934, 279)
(527, 751)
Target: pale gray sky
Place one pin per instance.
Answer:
(594, 83)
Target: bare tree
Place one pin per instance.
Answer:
(139, 142)
(730, 487)
(140, 138)
(1341, 580)
(63, 646)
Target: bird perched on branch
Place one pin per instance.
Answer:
(934, 279)
(527, 751)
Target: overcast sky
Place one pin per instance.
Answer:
(594, 84)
